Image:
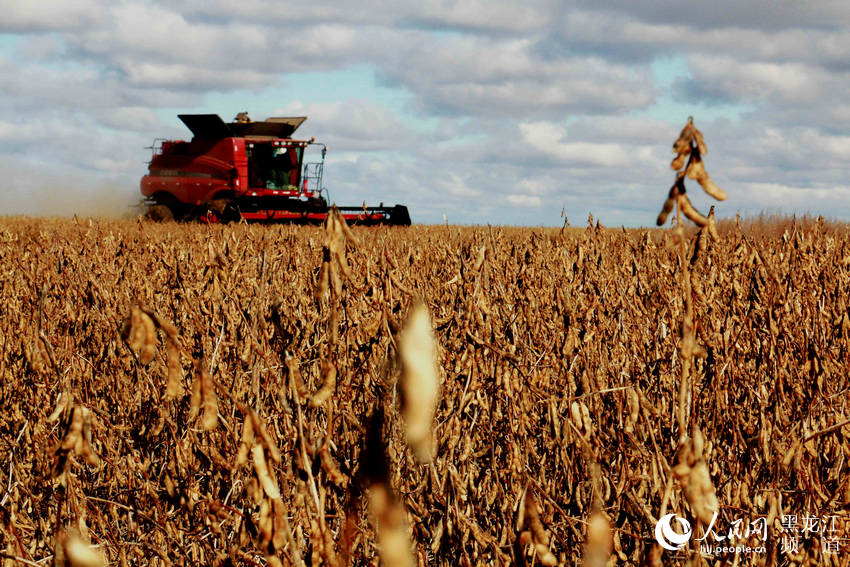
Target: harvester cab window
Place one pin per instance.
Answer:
(274, 166)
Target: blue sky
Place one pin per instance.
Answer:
(495, 112)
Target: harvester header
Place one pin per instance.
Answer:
(246, 170)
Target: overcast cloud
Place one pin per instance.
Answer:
(499, 112)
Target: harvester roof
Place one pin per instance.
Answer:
(212, 127)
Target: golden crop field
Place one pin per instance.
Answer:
(178, 394)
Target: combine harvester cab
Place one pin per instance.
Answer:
(245, 170)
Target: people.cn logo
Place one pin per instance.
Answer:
(669, 539)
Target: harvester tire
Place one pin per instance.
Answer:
(222, 211)
(159, 213)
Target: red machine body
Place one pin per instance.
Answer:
(245, 170)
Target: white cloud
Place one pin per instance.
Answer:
(550, 139)
(458, 187)
(731, 13)
(524, 200)
(486, 14)
(733, 79)
(353, 125)
(498, 76)
(501, 15)
(137, 118)
(48, 15)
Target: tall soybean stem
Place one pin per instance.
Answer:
(686, 341)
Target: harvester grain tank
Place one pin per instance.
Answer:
(246, 170)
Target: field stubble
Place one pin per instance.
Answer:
(178, 394)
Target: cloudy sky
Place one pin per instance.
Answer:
(502, 112)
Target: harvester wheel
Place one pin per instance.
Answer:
(159, 213)
(222, 211)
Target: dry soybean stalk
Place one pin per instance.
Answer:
(692, 469)
(386, 509)
(337, 235)
(687, 346)
(689, 143)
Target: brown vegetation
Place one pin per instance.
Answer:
(209, 395)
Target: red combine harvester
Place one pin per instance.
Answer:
(245, 170)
